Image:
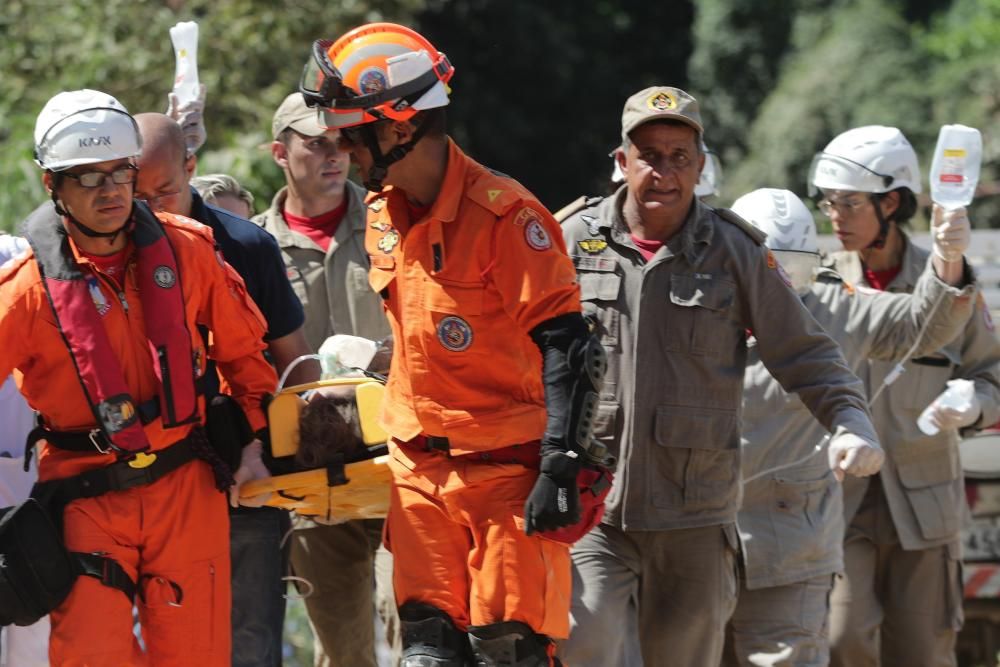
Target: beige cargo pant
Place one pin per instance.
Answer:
(663, 595)
(781, 626)
(893, 607)
(351, 575)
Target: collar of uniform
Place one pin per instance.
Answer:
(356, 196)
(286, 237)
(848, 264)
(445, 206)
(695, 234)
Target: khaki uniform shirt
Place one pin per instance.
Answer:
(332, 286)
(922, 475)
(675, 329)
(791, 521)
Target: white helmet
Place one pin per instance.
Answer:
(83, 127)
(790, 229)
(711, 175)
(873, 158)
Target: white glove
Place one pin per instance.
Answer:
(251, 467)
(190, 117)
(946, 417)
(850, 454)
(951, 232)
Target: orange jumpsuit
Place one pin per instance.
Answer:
(174, 530)
(463, 286)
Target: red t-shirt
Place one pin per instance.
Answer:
(320, 229)
(881, 279)
(111, 265)
(646, 247)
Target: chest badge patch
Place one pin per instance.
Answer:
(380, 226)
(455, 334)
(164, 277)
(592, 246)
(536, 236)
(389, 241)
(376, 205)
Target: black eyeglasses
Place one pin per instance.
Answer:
(95, 179)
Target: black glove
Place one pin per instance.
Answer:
(554, 502)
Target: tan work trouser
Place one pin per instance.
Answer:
(781, 626)
(675, 589)
(351, 575)
(893, 607)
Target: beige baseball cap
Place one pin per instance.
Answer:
(660, 103)
(294, 113)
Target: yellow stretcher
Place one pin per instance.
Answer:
(357, 490)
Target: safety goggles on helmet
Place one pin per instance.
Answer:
(96, 179)
(373, 95)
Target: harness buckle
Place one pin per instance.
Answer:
(95, 441)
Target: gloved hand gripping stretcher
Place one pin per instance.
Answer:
(352, 482)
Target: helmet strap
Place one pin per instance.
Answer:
(87, 231)
(883, 224)
(381, 162)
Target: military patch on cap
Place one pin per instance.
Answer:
(454, 333)
(389, 241)
(662, 101)
(372, 80)
(164, 277)
(592, 246)
(536, 236)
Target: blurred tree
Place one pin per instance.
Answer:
(251, 54)
(539, 87)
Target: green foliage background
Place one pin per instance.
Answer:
(539, 86)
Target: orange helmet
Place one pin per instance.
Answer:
(376, 72)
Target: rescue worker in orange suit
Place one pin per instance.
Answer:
(99, 322)
(492, 366)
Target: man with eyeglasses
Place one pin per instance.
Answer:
(318, 219)
(675, 288)
(100, 319)
(899, 599)
(258, 561)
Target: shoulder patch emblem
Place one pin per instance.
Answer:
(524, 216)
(536, 236)
(454, 334)
(389, 241)
(592, 246)
(493, 194)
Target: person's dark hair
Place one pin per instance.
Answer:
(907, 207)
(329, 432)
(436, 119)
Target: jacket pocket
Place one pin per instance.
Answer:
(701, 318)
(461, 299)
(601, 287)
(697, 459)
(931, 485)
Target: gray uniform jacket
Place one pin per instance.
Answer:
(675, 329)
(922, 475)
(332, 286)
(791, 521)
